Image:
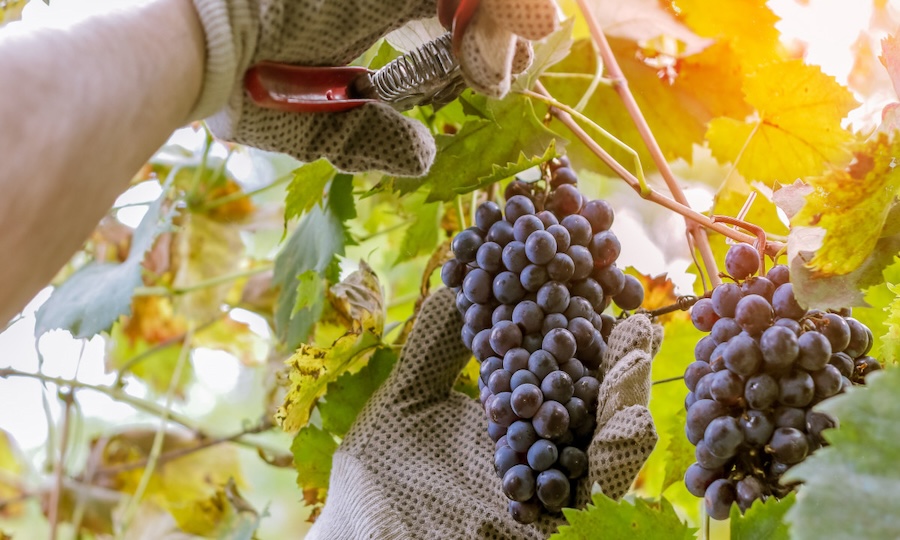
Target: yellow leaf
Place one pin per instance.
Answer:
(798, 130)
(11, 10)
(357, 303)
(851, 205)
(12, 469)
(235, 338)
(748, 25)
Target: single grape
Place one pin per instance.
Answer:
(528, 316)
(496, 431)
(553, 488)
(866, 365)
(761, 391)
(590, 290)
(504, 459)
(788, 445)
(518, 206)
(553, 321)
(462, 302)
(843, 363)
(704, 348)
(551, 420)
(583, 332)
(547, 218)
(609, 322)
(780, 347)
(749, 489)
(559, 162)
(836, 330)
(533, 277)
(532, 342)
(501, 233)
(600, 214)
(481, 345)
(558, 386)
(725, 298)
(611, 278)
(632, 295)
(723, 436)
(742, 356)
(694, 372)
(489, 257)
(561, 268)
(452, 273)
(478, 317)
(720, 495)
(562, 237)
(542, 455)
(757, 427)
(815, 351)
(586, 389)
(699, 416)
(717, 358)
(701, 390)
(465, 245)
(579, 307)
(785, 304)
(583, 261)
(703, 315)
(741, 261)
(573, 462)
(791, 417)
(553, 297)
(489, 366)
(514, 258)
(726, 387)
(578, 411)
(487, 214)
(754, 314)
(564, 200)
(859, 339)
(526, 227)
(759, 286)
(560, 343)
(520, 435)
(816, 423)
(574, 368)
(500, 411)
(779, 275)
(477, 286)
(697, 478)
(542, 363)
(505, 335)
(503, 312)
(563, 175)
(796, 389)
(725, 329)
(605, 247)
(518, 483)
(707, 460)
(517, 187)
(522, 377)
(524, 512)
(827, 381)
(507, 288)
(579, 229)
(499, 381)
(790, 324)
(515, 359)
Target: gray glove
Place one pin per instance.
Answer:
(418, 462)
(240, 33)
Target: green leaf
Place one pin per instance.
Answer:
(763, 520)
(307, 188)
(891, 339)
(91, 300)
(640, 520)
(345, 397)
(313, 246)
(852, 487)
(423, 233)
(313, 450)
(310, 290)
(679, 452)
(484, 149)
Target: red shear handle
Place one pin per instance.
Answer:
(456, 15)
(303, 89)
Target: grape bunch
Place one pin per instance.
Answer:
(532, 284)
(765, 363)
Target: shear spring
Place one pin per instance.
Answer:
(427, 75)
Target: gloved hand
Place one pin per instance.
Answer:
(240, 33)
(418, 462)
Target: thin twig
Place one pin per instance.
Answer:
(621, 86)
(670, 379)
(56, 494)
(212, 282)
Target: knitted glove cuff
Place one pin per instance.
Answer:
(231, 28)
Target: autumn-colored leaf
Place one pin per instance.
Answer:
(642, 21)
(11, 10)
(13, 467)
(748, 25)
(798, 129)
(890, 58)
(659, 291)
(851, 205)
(226, 205)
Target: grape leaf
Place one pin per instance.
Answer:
(157, 363)
(312, 368)
(11, 10)
(482, 149)
(677, 101)
(852, 206)
(91, 300)
(798, 131)
(423, 232)
(307, 188)
(763, 520)
(748, 26)
(13, 465)
(880, 297)
(679, 452)
(313, 449)
(637, 520)
(890, 341)
(641, 21)
(310, 289)
(313, 246)
(346, 396)
(851, 490)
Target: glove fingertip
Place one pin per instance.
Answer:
(635, 332)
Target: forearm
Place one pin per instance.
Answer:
(82, 109)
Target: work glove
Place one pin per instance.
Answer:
(240, 33)
(418, 462)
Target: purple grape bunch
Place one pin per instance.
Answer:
(755, 379)
(532, 282)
